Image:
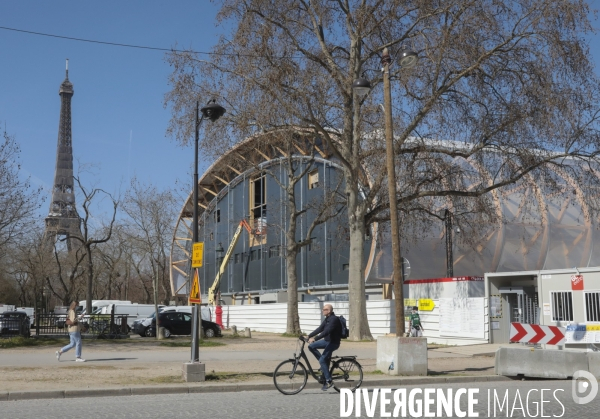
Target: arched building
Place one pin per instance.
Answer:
(557, 233)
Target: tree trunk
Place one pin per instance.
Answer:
(358, 323)
(293, 318)
(90, 280)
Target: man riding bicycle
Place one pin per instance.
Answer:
(327, 337)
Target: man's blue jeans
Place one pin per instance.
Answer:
(324, 357)
(76, 342)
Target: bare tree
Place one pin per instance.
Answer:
(504, 93)
(87, 240)
(18, 201)
(151, 212)
(112, 256)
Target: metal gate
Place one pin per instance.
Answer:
(522, 303)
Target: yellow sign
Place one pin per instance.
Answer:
(592, 327)
(195, 297)
(410, 302)
(426, 305)
(197, 252)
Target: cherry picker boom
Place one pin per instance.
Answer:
(217, 281)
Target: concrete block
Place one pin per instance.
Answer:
(539, 363)
(408, 355)
(31, 395)
(98, 392)
(247, 332)
(193, 372)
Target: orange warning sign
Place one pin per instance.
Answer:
(195, 297)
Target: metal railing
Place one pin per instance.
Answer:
(100, 326)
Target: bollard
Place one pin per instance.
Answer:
(234, 330)
(247, 332)
(161, 333)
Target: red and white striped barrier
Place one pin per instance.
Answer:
(534, 333)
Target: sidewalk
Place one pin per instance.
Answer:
(142, 366)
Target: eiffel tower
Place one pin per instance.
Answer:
(63, 222)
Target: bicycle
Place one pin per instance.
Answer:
(290, 376)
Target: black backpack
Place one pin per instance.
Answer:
(345, 331)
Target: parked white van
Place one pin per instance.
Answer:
(97, 305)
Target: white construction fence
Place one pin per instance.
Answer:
(452, 321)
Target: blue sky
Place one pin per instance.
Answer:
(118, 118)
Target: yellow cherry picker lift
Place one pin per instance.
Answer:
(212, 291)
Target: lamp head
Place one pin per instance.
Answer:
(361, 86)
(408, 58)
(213, 110)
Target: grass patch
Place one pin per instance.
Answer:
(235, 376)
(222, 376)
(19, 341)
(376, 372)
(186, 344)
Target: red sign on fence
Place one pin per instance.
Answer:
(577, 282)
(534, 333)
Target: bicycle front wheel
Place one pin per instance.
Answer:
(346, 373)
(290, 380)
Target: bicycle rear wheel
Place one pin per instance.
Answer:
(290, 380)
(346, 373)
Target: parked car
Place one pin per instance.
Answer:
(177, 323)
(140, 326)
(15, 323)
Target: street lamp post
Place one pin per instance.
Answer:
(362, 86)
(212, 111)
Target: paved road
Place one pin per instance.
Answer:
(309, 403)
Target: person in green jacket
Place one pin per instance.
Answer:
(416, 328)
